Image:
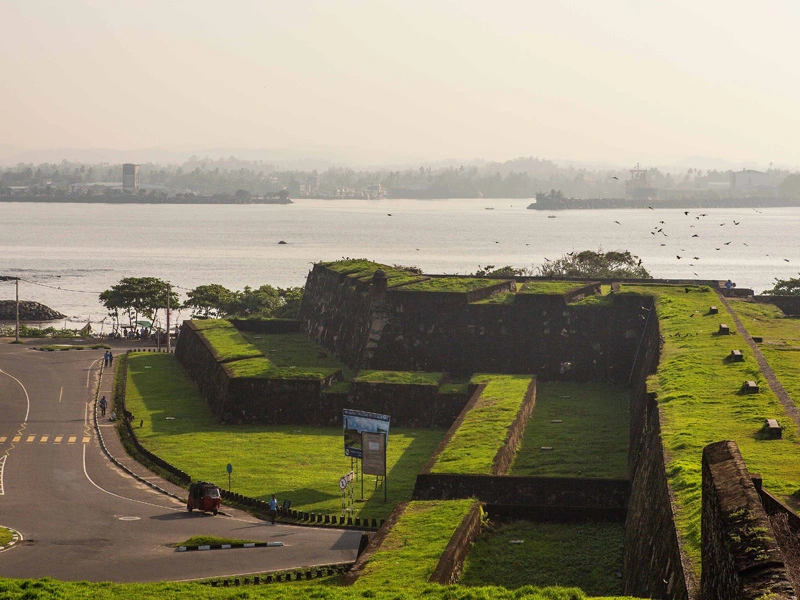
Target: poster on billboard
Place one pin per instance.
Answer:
(356, 422)
(373, 450)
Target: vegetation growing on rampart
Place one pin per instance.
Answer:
(411, 551)
(301, 464)
(363, 269)
(225, 340)
(400, 377)
(701, 402)
(585, 427)
(452, 284)
(483, 432)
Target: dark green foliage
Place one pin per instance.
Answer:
(138, 296)
(785, 287)
(208, 301)
(590, 264)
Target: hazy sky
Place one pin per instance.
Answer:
(611, 80)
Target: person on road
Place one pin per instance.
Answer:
(103, 404)
(273, 509)
(105, 358)
(110, 358)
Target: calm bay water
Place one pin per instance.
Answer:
(84, 249)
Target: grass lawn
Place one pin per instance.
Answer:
(402, 377)
(452, 284)
(225, 339)
(326, 589)
(591, 439)
(483, 432)
(584, 555)
(700, 403)
(361, 268)
(411, 551)
(781, 345)
(499, 298)
(262, 367)
(550, 287)
(5, 536)
(295, 350)
(301, 464)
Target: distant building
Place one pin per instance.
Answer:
(748, 178)
(638, 188)
(130, 178)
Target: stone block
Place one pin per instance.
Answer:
(724, 329)
(736, 356)
(773, 429)
(713, 310)
(758, 339)
(750, 387)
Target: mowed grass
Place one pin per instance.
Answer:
(326, 589)
(400, 377)
(483, 432)
(301, 464)
(700, 402)
(781, 345)
(550, 287)
(363, 269)
(295, 350)
(452, 284)
(583, 555)
(225, 339)
(411, 551)
(590, 439)
(6, 536)
(262, 368)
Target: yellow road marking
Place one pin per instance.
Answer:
(16, 438)
(3, 438)
(72, 439)
(58, 439)
(43, 439)
(85, 439)
(30, 438)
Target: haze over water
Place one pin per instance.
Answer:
(86, 248)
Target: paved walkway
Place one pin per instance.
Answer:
(116, 451)
(772, 379)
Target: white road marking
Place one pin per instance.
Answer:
(27, 399)
(2, 468)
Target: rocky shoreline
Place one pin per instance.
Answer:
(28, 311)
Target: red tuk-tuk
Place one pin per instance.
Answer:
(203, 496)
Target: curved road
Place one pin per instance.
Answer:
(82, 518)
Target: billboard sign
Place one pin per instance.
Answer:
(356, 422)
(374, 454)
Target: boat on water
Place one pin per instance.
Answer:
(551, 216)
(488, 207)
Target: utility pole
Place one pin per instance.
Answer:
(169, 289)
(17, 286)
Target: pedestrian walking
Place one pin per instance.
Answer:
(105, 358)
(110, 358)
(103, 404)
(273, 509)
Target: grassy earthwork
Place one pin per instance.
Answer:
(586, 555)
(781, 345)
(475, 444)
(550, 287)
(400, 377)
(700, 402)
(287, 350)
(301, 464)
(364, 270)
(411, 551)
(451, 284)
(225, 339)
(585, 428)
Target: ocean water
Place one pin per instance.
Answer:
(67, 254)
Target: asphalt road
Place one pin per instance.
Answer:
(83, 518)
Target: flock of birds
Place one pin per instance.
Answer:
(659, 229)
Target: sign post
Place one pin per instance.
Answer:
(229, 468)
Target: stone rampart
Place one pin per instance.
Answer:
(409, 405)
(198, 360)
(368, 326)
(524, 491)
(790, 305)
(741, 558)
(267, 326)
(451, 562)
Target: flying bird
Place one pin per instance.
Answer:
(746, 244)
(678, 257)
(617, 222)
(786, 259)
(736, 222)
(727, 243)
(695, 235)
(697, 258)
(663, 244)
(614, 177)
(388, 214)
(686, 212)
(651, 208)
